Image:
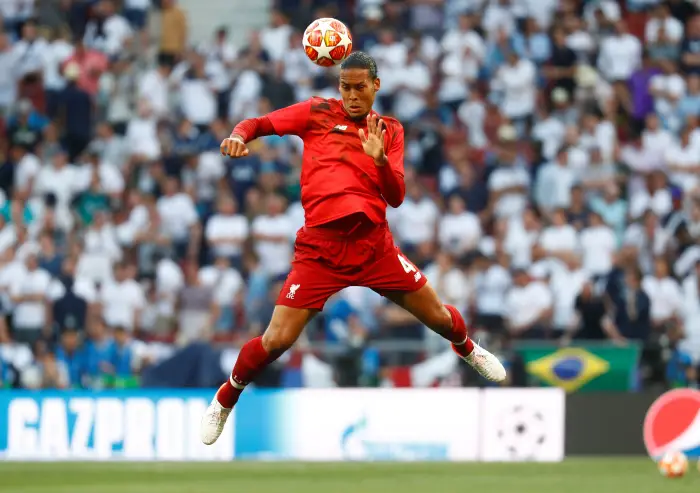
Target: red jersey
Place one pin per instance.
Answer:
(337, 177)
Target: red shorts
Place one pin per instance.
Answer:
(327, 261)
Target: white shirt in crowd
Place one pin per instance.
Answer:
(177, 214)
(603, 137)
(472, 114)
(565, 286)
(275, 256)
(295, 214)
(657, 141)
(673, 29)
(102, 242)
(392, 56)
(116, 30)
(410, 101)
(619, 57)
(661, 203)
(559, 238)
(56, 53)
(109, 177)
(142, 137)
(511, 203)
(8, 237)
(244, 96)
(519, 242)
(217, 74)
(82, 288)
(16, 9)
(227, 283)
(451, 286)
(417, 221)
(8, 78)
(275, 40)
(636, 236)
(553, 186)
(169, 280)
(541, 10)
(210, 169)
(665, 295)
(153, 87)
(30, 56)
(121, 301)
(459, 233)
(137, 222)
(30, 314)
(498, 18)
(667, 90)
(598, 245)
(9, 273)
(519, 86)
(550, 132)
(64, 182)
(525, 305)
(491, 287)
(226, 227)
(464, 54)
(682, 156)
(197, 101)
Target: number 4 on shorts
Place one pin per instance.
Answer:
(407, 266)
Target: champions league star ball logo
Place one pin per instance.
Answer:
(672, 424)
(522, 432)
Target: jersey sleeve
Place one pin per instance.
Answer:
(395, 151)
(292, 120)
(391, 174)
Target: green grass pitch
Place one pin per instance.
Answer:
(614, 475)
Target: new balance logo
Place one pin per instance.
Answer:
(292, 291)
(340, 128)
(417, 277)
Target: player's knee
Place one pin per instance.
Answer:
(439, 319)
(278, 338)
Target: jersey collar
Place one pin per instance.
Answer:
(371, 112)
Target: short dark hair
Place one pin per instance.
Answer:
(360, 59)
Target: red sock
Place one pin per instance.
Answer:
(251, 361)
(459, 335)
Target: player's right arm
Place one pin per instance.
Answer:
(292, 120)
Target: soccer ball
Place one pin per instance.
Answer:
(673, 464)
(327, 42)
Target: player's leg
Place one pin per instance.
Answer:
(446, 320)
(303, 295)
(284, 329)
(398, 279)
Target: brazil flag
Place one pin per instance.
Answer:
(581, 368)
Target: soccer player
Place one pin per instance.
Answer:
(352, 168)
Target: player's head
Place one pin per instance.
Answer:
(359, 83)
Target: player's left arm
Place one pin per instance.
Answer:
(291, 120)
(389, 161)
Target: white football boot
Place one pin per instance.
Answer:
(485, 363)
(213, 422)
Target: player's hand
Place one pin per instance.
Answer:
(373, 142)
(233, 147)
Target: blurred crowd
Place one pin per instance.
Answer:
(552, 170)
